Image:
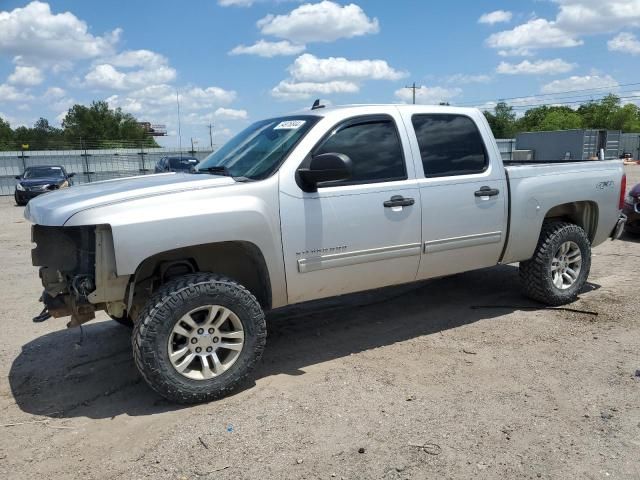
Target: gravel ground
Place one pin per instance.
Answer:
(403, 383)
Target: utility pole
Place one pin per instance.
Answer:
(414, 88)
(211, 135)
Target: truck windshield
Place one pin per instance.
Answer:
(259, 150)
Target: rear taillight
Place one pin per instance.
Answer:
(623, 190)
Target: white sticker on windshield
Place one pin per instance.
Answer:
(290, 125)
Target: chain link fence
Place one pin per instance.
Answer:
(93, 165)
(90, 165)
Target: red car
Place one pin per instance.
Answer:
(632, 211)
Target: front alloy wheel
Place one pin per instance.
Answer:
(206, 342)
(198, 337)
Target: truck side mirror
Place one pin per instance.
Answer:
(71, 175)
(18, 177)
(327, 167)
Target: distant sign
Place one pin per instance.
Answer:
(25, 146)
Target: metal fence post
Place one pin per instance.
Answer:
(143, 166)
(24, 163)
(85, 156)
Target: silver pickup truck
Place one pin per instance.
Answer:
(308, 206)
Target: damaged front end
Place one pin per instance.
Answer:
(77, 270)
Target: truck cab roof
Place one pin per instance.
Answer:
(365, 109)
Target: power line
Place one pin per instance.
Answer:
(525, 97)
(516, 107)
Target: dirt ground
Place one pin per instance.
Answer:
(410, 382)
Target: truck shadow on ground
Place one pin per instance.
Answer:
(90, 373)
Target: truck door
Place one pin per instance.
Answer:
(463, 192)
(358, 234)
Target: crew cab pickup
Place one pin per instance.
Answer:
(308, 206)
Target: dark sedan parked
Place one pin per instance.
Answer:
(632, 211)
(176, 164)
(41, 179)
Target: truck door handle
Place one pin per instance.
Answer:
(487, 192)
(399, 201)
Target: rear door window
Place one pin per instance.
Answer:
(449, 145)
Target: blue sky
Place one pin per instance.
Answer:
(234, 61)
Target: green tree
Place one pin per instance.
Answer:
(44, 137)
(561, 120)
(100, 126)
(6, 134)
(502, 120)
(600, 113)
(626, 118)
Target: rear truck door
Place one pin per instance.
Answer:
(463, 190)
(358, 234)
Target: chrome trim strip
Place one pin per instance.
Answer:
(323, 262)
(444, 244)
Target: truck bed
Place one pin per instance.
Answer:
(536, 188)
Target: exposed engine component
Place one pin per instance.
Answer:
(67, 258)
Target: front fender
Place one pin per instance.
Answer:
(145, 227)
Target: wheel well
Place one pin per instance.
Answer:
(584, 214)
(240, 261)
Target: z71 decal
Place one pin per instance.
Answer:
(605, 185)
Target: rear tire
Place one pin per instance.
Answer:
(560, 265)
(201, 311)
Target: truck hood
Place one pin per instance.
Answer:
(57, 207)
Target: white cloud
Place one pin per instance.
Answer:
(291, 90)
(462, 78)
(27, 76)
(159, 99)
(428, 95)
(235, 3)
(538, 33)
(325, 21)
(266, 49)
(625, 42)
(310, 75)
(575, 18)
(136, 69)
(540, 67)
(54, 92)
(231, 113)
(597, 16)
(499, 16)
(9, 93)
(106, 76)
(309, 68)
(137, 58)
(580, 83)
(39, 37)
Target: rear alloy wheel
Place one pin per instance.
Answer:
(198, 338)
(560, 265)
(566, 265)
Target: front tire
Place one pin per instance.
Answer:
(198, 338)
(560, 265)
